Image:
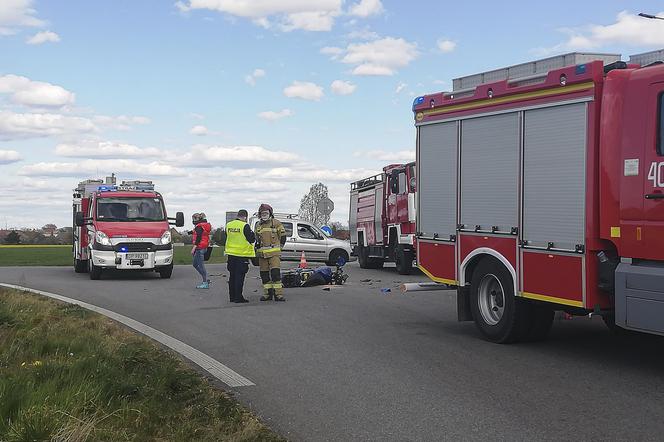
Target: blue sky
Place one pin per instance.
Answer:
(230, 103)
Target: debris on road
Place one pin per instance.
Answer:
(386, 290)
(422, 286)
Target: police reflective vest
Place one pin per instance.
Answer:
(236, 242)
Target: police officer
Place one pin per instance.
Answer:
(270, 238)
(239, 249)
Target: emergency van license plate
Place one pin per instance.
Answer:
(137, 256)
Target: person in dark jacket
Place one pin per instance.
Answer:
(239, 249)
(201, 241)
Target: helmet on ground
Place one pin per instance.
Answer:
(265, 208)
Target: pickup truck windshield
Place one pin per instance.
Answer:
(130, 209)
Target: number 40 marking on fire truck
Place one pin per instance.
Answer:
(656, 174)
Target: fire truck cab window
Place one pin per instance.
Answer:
(402, 183)
(660, 125)
(130, 209)
(413, 180)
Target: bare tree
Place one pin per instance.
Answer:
(309, 205)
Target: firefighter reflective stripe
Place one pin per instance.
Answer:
(269, 249)
(273, 285)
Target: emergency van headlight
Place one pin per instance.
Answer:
(102, 238)
(166, 237)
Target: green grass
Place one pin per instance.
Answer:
(62, 255)
(70, 374)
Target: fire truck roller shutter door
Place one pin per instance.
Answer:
(490, 172)
(437, 192)
(554, 178)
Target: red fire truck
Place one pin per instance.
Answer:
(541, 188)
(122, 227)
(382, 218)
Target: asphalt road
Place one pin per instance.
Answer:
(356, 364)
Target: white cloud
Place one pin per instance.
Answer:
(310, 21)
(9, 156)
(340, 87)
(446, 46)
(380, 57)
(120, 122)
(274, 116)
(104, 149)
(27, 92)
(199, 130)
(401, 156)
(251, 78)
(210, 156)
(304, 90)
(400, 87)
(43, 37)
(629, 30)
(308, 15)
(97, 167)
(333, 51)
(362, 34)
(15, 14)
(16, 125)
(366, 8)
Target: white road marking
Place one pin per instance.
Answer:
(212, 366)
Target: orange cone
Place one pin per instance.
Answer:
(303, 261)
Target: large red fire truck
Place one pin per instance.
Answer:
(122, 227)
(382, 218)
(541, 188)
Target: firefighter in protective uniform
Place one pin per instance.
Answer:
(270, 238)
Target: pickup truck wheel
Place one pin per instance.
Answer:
(404, 260)
(165, 272)
(80, 265)
(95, 272)
(498, 314)
(335, 255)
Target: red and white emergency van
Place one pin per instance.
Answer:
(541, 188)
(382, 218)
(122, 227)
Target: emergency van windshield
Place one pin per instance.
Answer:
(130, 209)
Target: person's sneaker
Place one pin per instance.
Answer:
(203, 285)
(279, 298)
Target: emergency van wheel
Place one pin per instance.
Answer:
(80, 265)
(404, 261)
(498, 314)
(95, 272)
(165, 272)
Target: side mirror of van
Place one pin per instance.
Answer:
(79, 219)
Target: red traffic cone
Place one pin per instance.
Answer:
(303, 261)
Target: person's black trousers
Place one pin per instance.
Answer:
(237, 269)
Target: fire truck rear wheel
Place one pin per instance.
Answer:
(363, 257)
(93, 270)
(404, 260)
(498, 314)
(165, 272)
(80, 265)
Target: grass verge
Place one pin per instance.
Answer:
(62, 255)
(73, 375)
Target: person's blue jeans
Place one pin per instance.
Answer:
(199, 263)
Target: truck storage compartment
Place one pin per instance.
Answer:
(640, 296)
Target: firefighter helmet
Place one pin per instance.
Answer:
(265, 207)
